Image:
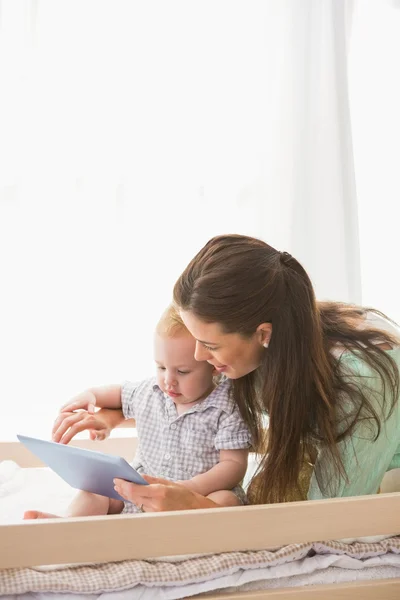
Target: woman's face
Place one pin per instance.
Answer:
(230, 353)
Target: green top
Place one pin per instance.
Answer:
(365, 460)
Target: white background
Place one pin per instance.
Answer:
(132, 132)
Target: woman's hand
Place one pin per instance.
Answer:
(161, 495)
(190, 484)
(78, 415)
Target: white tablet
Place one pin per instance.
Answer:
(83, 469)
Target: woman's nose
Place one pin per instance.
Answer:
(201, 353)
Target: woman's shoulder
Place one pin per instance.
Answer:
(376, 384)
(366, 371)
(379, 321)
(376, 322)
(356, 361)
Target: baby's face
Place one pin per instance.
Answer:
(179, 374)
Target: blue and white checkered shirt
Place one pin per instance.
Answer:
(179, 446)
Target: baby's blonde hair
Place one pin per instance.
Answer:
(170, 323)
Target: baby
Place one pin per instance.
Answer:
(189, 429)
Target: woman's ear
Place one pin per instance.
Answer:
(264, 332)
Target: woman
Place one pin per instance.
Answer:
(325, 374)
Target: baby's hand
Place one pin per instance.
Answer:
(79, 415)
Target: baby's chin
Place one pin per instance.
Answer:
(178, 398)
(183, 401)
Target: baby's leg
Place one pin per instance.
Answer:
(84, 504)
(225, 498)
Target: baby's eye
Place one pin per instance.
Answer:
(160, 368)
(183, 372)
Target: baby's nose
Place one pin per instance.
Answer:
(170, 381)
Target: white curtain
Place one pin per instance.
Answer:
(375, 100)
(131, 132)
(315, 176)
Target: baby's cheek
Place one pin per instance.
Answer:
(160, 382)
(191, 389)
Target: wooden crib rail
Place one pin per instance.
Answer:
(187, 532)
(117, 446)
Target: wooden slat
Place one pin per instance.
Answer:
(102, 539)
(17, 452)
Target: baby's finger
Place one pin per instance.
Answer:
(63, 421)
(78, 405)
(67, 424)
(57, 423)
(98, 436)
(73, 431)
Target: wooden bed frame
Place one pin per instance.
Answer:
(212, 530)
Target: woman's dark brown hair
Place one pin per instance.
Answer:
(240, 282)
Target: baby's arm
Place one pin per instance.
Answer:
(233, 441)
(79, 414)
(108, 399)
(228, 473)
(107, 396)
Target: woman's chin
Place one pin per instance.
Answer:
(232, 373)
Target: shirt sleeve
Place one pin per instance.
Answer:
(128, 390)
(232, 433)
(365, 458)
